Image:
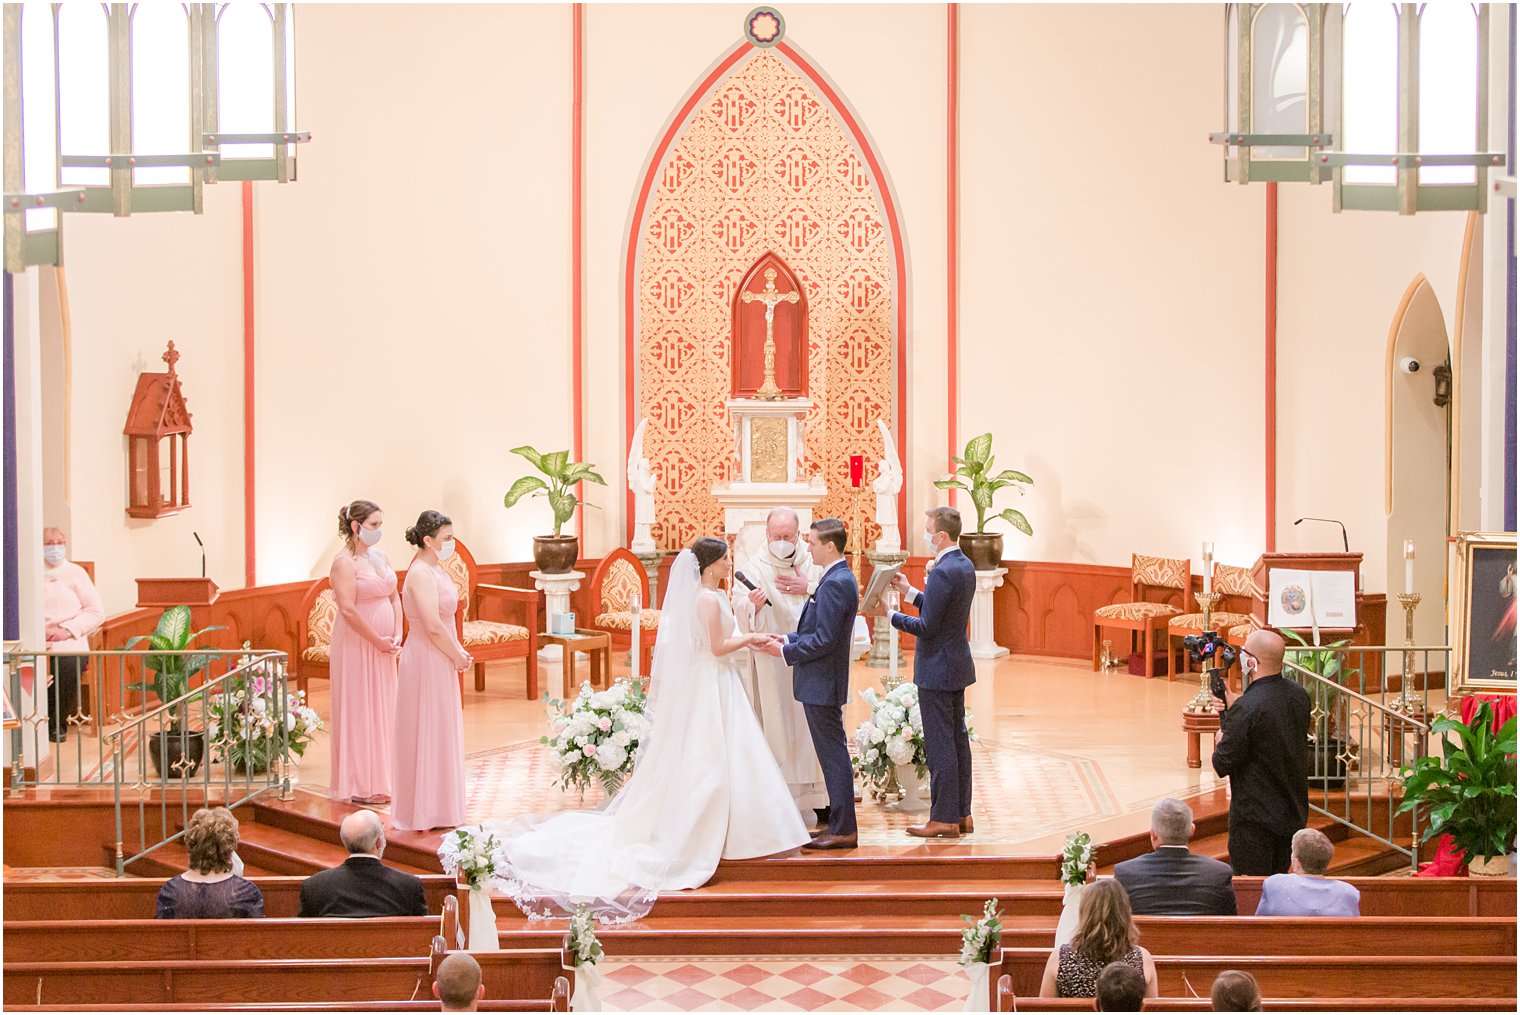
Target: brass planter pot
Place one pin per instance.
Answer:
(555, 554)
(983, 549)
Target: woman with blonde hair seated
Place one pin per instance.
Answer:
(1106, 932)
(210, 890)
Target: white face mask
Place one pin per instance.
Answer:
(446, 549)
(783, 550)
(369, 537)
(929, 541)
(55, 554)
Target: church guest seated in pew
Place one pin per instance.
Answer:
(1121, 987)
(1305, 890)
(1106, 933)
(362, 886)
(1171, 880)
(210, 890)
(459, 986)
(1235, 990)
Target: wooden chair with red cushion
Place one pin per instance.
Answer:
(1234, 609)
(314, 628)
(489, 640)
(613, 584)
(1153, 581)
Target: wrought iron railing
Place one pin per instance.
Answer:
(1371, 716)
(223, 742)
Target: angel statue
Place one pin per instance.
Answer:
(887, 484)
(641, 483)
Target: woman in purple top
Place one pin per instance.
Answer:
(209, 890)
(1305, 891)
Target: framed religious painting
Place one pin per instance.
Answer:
(1483, 614)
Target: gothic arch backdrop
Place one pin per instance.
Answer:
(762, 156)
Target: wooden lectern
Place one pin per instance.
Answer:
(168, 592)
(1371, 610)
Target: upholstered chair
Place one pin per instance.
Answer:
(314, 628)
(1233, 584)
(613, 584)
(1153, 581)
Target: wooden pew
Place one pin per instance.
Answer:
(1412, 896)
(280, 938)
(1007, 1002)
(559, 1000)
(135, 898)
(514, 972)
(1322, 976)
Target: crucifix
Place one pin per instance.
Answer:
(770, 297)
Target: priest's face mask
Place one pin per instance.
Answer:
(781, 536)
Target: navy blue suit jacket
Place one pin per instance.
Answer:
(819, 651)
(942, 657)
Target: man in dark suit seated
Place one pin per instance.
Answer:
(362, 886)
(1171, 880)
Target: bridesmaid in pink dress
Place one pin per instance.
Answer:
(429, 769)
(365, 640)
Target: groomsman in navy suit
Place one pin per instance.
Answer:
(942, 670)
(819, 654)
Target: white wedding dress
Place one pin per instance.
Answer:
(705, 787)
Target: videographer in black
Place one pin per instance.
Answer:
(1263, 748)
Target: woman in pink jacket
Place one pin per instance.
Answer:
(72, 611)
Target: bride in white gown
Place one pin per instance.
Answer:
(705, 786)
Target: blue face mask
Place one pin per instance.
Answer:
(55, 554)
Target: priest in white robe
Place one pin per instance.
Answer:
(784, 575)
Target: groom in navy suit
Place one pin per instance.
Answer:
(819, 654)
(942, 670)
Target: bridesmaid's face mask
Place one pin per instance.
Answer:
(369, 537)
(446, 549)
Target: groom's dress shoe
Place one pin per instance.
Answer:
(834, 842)
(936, 830)
(966, 825)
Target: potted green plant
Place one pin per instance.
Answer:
(555, 554)
(177, 748)
(1327, 748)
(973, 473)
(1469, 792)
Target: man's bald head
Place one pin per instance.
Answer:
(1267, 648)
(458, 984)
(363, 832)
(781, 525)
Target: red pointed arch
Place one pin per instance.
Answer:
(638, 222)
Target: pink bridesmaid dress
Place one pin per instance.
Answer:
(429, 770)
(363, 688)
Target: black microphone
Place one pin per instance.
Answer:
(197, 536)
(1345, 543)
(739, 577)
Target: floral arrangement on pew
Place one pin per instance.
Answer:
(582, 952)
(474, 856)
(244, 718)
(1078, 859)
(597, 737)
(979, 945)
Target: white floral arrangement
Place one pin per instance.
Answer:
(597, 737)
(981, 937)
(242, 719)
(581, 944)
(1076, 857)
(472, 854)
(893, 735)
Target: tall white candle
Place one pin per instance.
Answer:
(1208, 568)
(636, 606)
(1409, 566)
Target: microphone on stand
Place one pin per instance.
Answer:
(1345, 543)
(739, 577)
(197, 536)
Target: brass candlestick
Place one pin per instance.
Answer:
(1407, 702)
(1203, 701)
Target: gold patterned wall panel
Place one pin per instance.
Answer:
(764, 164)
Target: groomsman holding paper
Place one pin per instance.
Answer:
(942, 670)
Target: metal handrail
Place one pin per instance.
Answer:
(197, 692)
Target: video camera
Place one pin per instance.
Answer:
(1204, 648)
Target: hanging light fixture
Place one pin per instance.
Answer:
(1274, 92)
(121, 108)
(1408, 106)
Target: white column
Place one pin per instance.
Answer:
(556, 589)
(982, 645)
(25, 288)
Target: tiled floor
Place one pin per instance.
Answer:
(834, 983)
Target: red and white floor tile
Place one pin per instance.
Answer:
(829, 983)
